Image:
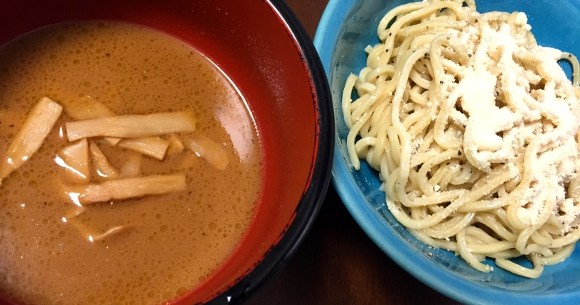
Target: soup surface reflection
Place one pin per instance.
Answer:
(173, 241)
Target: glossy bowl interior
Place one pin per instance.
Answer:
(346, 28)
(264, 51)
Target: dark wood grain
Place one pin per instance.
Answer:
(338, 263)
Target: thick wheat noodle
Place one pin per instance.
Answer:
(449, 189)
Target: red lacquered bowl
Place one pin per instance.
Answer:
(260, 45)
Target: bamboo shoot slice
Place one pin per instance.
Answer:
(103, 169)
(39, 123)
(175, 145)
(211, 151)
(116, 230)
(131, 126)
(154, 147)
(92, 236)
(74, 159)
(132, 167)
(126, 188)
(72, 214)
(112, 140)
(86, 108)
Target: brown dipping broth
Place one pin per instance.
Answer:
(177, 239)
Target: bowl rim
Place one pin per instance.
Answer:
(434, 276)
(320, 175)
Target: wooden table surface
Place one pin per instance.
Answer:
(338, 263)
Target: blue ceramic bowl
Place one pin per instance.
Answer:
(347, 26)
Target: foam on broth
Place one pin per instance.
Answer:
(178, 239)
